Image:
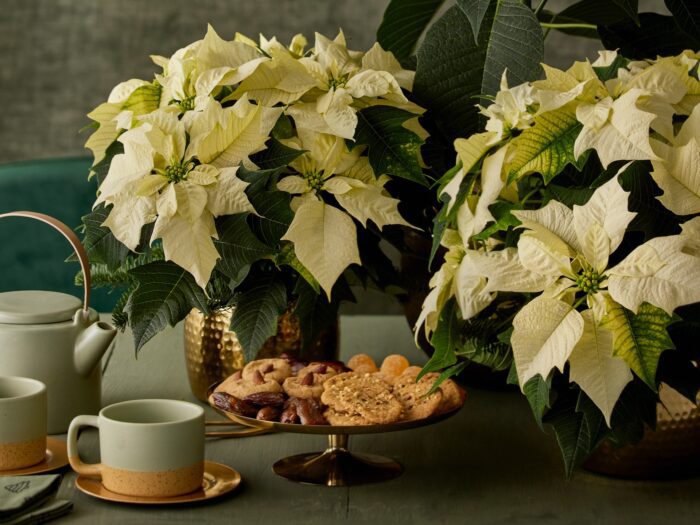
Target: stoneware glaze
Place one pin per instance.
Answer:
(148, 447)
(57, 339)
(22, 422)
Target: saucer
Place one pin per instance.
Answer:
(56, 458)
(218, 480)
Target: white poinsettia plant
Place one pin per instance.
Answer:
(242, 166)
(570, 234)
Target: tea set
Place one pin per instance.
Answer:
(51, 348)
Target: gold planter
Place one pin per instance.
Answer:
(671, 451)
(213, 352)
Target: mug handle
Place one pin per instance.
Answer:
(90, 470)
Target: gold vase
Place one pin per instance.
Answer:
(213, 352)
(670, 451)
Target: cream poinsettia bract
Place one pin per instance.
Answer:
(182, 186)
(325, 237)
(564, 254)
(342, 81)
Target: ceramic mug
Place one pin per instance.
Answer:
(148, 447)
(22, 422)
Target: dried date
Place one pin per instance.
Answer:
(310, 412)
(263, 399)
(269, 413)
(230, 403)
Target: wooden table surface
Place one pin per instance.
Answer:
(490, 464)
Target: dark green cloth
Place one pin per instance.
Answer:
(32, 254)
(30, 499)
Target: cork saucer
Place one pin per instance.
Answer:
(56, 458)
(218, 480)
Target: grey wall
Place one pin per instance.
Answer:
(60, 58)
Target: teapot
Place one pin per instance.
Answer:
(57, 339)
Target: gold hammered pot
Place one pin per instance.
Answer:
(671, 451)
(213, 352)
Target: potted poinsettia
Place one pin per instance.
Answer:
(253, 175)
(572, 236)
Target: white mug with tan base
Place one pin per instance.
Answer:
(22, 422)
(148, 447)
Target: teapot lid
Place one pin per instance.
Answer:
(37, 307)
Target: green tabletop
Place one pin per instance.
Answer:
(490, 464)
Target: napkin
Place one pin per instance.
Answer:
(30, 499)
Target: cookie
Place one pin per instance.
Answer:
(412, 395)
(453, 396)
(277, 369)
(240, 387)
(306, 385)
(364, 394)
(344, 419)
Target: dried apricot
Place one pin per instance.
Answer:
(394, 365)
(362, 363)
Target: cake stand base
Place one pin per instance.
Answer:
(337, 466)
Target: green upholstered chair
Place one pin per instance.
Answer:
(32, 255)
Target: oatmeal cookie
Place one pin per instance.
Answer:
(277, 369)
(412, 395)
(364, 394)
(240, 387)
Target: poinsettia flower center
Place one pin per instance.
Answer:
(178, 172)
(589, 281)
(335, 82)
(314, 179)
(186, 104)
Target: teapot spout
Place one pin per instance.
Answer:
(91, 345)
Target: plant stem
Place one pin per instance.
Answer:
(567, 26)
(540, 7)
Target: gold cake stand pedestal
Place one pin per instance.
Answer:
(336, 466)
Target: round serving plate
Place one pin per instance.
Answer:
(336, 466)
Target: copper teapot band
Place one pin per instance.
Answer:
(72, 238)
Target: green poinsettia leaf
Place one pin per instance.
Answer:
(238, 246)
(164, 296)
(537, 392)
(275, 155)
(288, 257)
(493, 354)
(452, 371)
(403, 23)
(476, 11)
(316, 314)
(630, 8)
(101, 169)
(257, 310)
(99, 242)
(687, 15)
(454, 68)
(578, 426)
(635, 409)
(274, 214)
(501, 211)
(445, 339)
(393, 149)
(597, 12)
(439, 225)
(655, 35)
(568, 195)
(609, 72)
(652, 218)
(640, 338)
(548, 146)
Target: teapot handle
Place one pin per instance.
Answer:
(72, 238)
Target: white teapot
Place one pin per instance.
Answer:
(57, 339)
